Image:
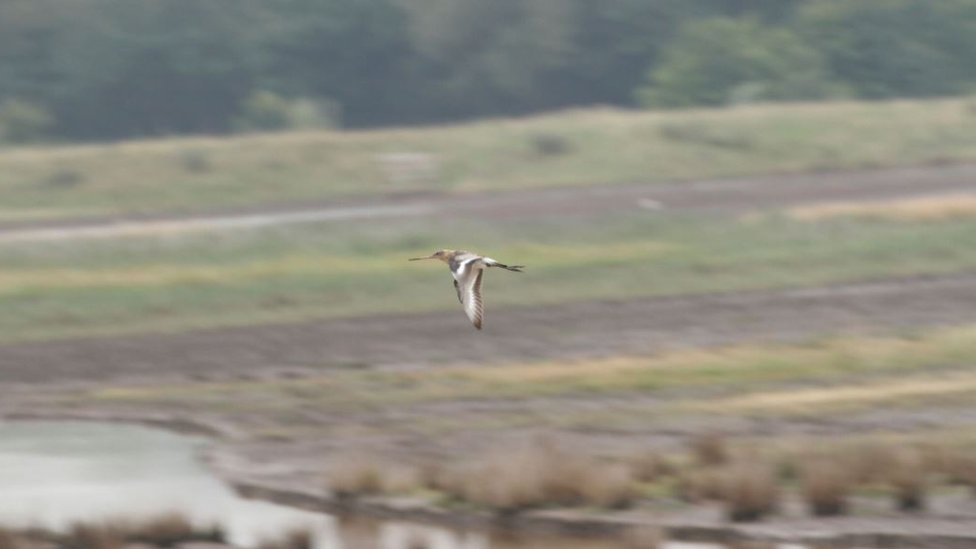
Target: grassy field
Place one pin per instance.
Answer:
(333, 270)
(584, 147)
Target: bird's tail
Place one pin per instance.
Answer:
(513, 268)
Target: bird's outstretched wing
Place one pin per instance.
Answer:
(470, 293)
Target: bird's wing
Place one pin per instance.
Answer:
(470, 290)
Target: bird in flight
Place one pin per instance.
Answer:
(468, 269)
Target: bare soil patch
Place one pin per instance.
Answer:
(585, 329)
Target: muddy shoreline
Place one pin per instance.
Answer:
(902, 532)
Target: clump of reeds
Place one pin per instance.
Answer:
(825, 486)
(963, 471)
(869, 461)
(700, 484)
(352, 476)
(93, 536)
(167, 530)
(710, 449)
(297, 538)
(908, 480)
(541, 474)
(650, 466)
(750, 491)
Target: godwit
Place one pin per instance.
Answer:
(467, 269)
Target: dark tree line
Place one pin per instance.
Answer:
(109, 69)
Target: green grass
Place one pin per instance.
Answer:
(331, 270)
(596, 146)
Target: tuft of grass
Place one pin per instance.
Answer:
(710, 449)
(540, 474)
(297, 538)
(353, 476)
(650, 466)
(696, 485)
(550, 144)
(908, 480)
(751, 491)
(825, 486)
(93, 536)
(195, 160)
(868, 461)
(961, 469)
(169, 530)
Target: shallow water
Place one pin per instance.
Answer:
(55, 473)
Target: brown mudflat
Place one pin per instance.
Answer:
(589, 328)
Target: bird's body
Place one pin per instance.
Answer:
(468, 269)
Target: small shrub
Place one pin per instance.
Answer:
(355, 476)
(751, 492)
(162, 531)
(542, 474)
(650, 466)
(195, 161)
(93, 536)
(400, 479)
(696, 485)
(700, 134)
(609, 487)
(963, 471)
(64, 179)
(869, 462)
(548, 144)
(710, 449)
(298, 538)
(907, 478)
(825, 486)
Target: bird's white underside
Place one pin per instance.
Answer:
(468, 277)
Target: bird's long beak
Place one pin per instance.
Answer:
(419, 258)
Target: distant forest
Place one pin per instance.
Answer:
(113, 69)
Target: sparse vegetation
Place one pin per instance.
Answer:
(299, 538)
(751, 491)
(710, 449)
(908, 480)
(352, 476)
(826, 484)
(543, 473)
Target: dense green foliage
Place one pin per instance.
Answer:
(108, 69)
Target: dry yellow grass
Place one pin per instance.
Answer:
(908, 209)
(806, 400)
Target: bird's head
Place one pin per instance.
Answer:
(443, 255)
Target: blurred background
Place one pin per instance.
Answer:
(749, 306)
